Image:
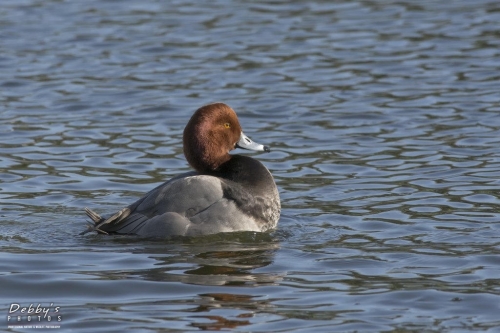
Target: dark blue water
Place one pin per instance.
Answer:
(384, 119)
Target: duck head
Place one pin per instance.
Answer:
(211, 133)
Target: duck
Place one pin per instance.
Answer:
(225, 192)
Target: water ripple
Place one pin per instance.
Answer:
(383, 119)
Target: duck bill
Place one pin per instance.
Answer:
(246, 143)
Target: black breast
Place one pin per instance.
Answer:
(251, 187)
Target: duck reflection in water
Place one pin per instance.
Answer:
(215, 260)
(248, 304)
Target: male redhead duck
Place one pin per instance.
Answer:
(226, 192)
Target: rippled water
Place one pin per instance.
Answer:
(384, 121)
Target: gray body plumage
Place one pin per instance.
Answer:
(193, 204)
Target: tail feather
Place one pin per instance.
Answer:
(100, 221)
(93, 215)
(97, 219)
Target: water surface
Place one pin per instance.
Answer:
(384, 121)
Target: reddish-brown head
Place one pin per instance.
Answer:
(210, 134)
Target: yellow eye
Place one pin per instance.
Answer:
(227, 125)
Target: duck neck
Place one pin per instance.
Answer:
(205, 158)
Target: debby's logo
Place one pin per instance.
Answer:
(34, 316)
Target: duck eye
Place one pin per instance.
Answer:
(227, 125)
